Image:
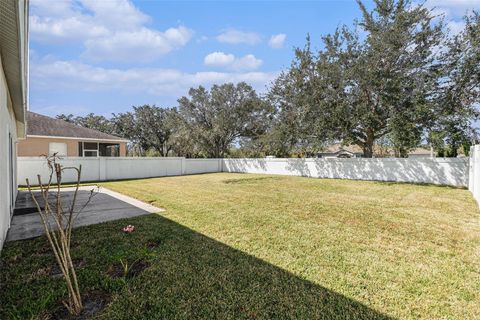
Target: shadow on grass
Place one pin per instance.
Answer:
(192, 276)
(421, 184)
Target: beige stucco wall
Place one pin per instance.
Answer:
(123, 149)
(8, 126)
(34, 147)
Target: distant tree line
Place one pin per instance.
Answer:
(398, 79)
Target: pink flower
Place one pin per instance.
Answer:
(129, 229)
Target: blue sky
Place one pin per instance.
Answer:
(104, 56)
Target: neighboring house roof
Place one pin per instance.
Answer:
(40, 125)
(420, 151)
(335, 148)
(14, 57)
(378, 150)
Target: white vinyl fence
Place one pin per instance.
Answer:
(118, 168)
(437, 171)
(474, 172)
(452, 171)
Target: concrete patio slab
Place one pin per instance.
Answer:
(106, 205)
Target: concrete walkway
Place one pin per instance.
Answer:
(106, 205)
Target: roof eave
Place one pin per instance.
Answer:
(119, 140)
(14, 31)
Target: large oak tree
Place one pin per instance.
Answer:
(375, 80)
(218, 118)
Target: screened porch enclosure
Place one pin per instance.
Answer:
(98, 149)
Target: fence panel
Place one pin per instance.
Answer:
(194, 166)
(134, 168)
(437, 171)
(453, 172)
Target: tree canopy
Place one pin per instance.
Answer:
(218, 118)
(397, 78)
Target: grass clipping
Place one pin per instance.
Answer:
(58, 224)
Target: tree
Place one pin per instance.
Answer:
(459, 89)
(66, 117)
(395, 74)
(123, 125)
(149, 128)
(308, 97)
(95, 122)
(371, 81)
(154, 127)
(91, 121)
(217, 118)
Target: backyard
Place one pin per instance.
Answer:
(233, 246)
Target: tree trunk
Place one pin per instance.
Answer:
(368, 145)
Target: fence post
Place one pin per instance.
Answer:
(474, 165)
(471, 169)
(184, 166)
(102, 169)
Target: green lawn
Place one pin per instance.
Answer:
(234, 246)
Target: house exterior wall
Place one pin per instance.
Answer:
(8, 133)
(34, 147)
(123, 149)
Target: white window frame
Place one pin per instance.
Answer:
(90, 150)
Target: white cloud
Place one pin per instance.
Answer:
(454, 8)
(277, 40)
(117, 14)
(143, 44)
(248, 62)
(155, 81)
(202, 39)
(455, 27)
(453, 11)
(218, 59)
(221, 59)
(109, 30)
(233, 36)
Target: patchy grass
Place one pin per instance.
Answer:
(233, 246)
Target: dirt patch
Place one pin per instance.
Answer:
(45, 250)
(93, 303)
(42, 272)
(137, 268)
(56, 272)
(153, 243)
(117, 270)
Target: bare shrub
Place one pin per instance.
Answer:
(58, 224)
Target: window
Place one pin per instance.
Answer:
(96, 149)
(90, 153)
(59, 148)
(89, 149)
